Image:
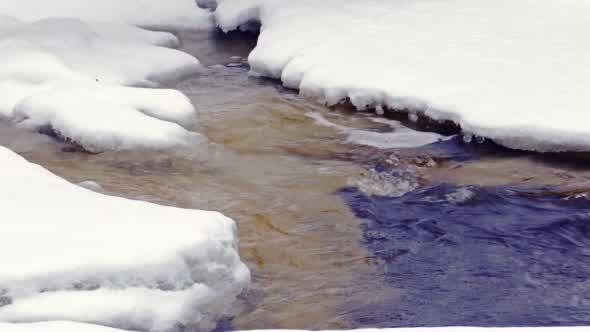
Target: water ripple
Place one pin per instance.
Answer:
(485, 256)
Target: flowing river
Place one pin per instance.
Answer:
(342, 230)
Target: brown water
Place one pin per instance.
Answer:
(525, 169)
(275, 171)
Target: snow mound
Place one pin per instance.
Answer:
(515, 71)
(86, 257)
(67, 74)
(55, 327)
(73, 49)
(156, 14)
(101, 117)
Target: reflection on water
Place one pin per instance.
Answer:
(483, 256)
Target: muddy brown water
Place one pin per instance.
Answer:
(273, 170)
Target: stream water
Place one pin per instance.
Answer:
(324, 225)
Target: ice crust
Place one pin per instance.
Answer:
(73, 254)
(515, 71)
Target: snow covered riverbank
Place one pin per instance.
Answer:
(68, 75)
(85, 74)
(72, 254)
(55, 327)
(514, 71)
(173, 15)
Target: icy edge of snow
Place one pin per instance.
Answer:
(497, 70)
(70, 76)
(56, 326)
(100, 117)
(109, 260)
(153, 14)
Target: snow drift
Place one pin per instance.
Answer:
(71, 254)
(110, 117)
(156, 14)
(515, 71)
(68, 75)
(55, 327)
(82, 71)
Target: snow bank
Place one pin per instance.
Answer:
(110, 117)
(516, 71)
(71, 254)
(157, 14)
(75, 50)
(67, 74)
(55, 327)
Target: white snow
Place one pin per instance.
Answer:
(69, 75)
(110, 117)
(158, 14)
(55, 327)
(73, 49)
(515, 71)
(82, 70)
(72, 254)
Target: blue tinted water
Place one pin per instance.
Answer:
(484, 256)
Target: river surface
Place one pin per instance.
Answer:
(342, 232)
